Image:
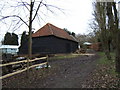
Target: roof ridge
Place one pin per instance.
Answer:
(49, 26)
(50, 29)
(73, 38)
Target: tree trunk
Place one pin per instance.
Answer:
(30, 39)
(30, 31)
(107, 49)
(105, 44)
(107, 53)
(117, 58)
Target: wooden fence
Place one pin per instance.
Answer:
(26, 68)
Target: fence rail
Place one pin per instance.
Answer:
(26, 68)
(1, 65)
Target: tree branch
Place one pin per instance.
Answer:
(25, 5)
(48, 5)
(14, 16)
(37, 10)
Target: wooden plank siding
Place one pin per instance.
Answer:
(50, 45)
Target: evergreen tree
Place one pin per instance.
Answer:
(24, 38)
(10, 39)
(73, 34)
(67, 31)
(14, 39)
(7, 39)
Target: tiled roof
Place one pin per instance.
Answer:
(50, 29)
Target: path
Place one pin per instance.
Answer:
(66, 73)
(72, 72)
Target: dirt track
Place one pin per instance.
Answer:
(65, 73)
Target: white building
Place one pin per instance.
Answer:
(12, 49)
(87, 43)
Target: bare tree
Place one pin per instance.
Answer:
(106, 15)
(25, 13)
(115, 32)
(101, 19)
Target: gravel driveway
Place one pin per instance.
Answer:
(64, 73)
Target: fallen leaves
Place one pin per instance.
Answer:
(102, 78)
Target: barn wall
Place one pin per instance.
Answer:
(50, 45)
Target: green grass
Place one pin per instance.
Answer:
(104, 60)
(109, 63)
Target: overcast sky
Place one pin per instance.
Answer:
(76, 17)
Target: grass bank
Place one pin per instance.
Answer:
(107, 67)
(104, 75)
(108, 63)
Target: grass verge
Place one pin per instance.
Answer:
(104, 75)
(109, 68)
(108, 63)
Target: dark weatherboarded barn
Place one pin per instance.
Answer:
(50, 40)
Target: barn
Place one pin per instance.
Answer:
(50, 40)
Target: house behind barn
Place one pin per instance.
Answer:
(9, 49)
(50, 40)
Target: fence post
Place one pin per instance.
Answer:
(27, 68)
(47, 60)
